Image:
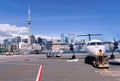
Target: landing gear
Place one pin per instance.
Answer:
(89, 60)
(97, 62)
(112, 56)
(73, 56)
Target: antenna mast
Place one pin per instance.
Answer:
(29, 22)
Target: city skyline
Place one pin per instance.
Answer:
(51, 18)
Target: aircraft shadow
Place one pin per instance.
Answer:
(115, 63)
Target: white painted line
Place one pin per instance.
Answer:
(22, 64)
(73, 60)
(9, 60)
(39, 74)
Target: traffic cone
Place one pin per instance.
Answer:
(26, 58)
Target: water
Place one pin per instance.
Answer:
(76, 52)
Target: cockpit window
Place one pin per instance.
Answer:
(99, 43)
(92, 43)
(88, 44)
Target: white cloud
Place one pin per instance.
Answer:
(12, 28)
(8, 31)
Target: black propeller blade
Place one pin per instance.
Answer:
(115, 44)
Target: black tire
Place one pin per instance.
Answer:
(112, 56)
(88, 60)
(73, 56)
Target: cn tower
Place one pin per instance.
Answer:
(29, 22)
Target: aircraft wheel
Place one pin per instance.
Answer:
(88, 60)
(112, 56)
(73, 56)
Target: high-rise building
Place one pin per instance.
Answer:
(15, 43)
(17, 39)
(62, 38)
(6, 44)
(32, 39)
(25, 40)
(40, 40)
(45, 44)
(49, 45)
(66, 40)
(71, 38)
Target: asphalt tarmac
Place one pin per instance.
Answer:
(26, 67)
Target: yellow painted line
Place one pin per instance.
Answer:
(106, 70)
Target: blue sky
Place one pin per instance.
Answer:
(52, 17)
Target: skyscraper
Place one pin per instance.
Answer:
(71, 38)
(25, 40)
(62, 38)
(40, 41)
(49, 45)
(32, 39)
(29, 22)
(17, 39)
(6, 44)
(66, 40)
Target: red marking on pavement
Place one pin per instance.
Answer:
(39, 76)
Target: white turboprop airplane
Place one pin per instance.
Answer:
(93, 48)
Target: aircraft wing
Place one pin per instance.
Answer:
(80, 44)
(118, 41)
(107, 42)
(69, 43)
(60, 44)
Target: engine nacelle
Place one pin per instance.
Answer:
(115, 45)
(111, 46)
(71, 47)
